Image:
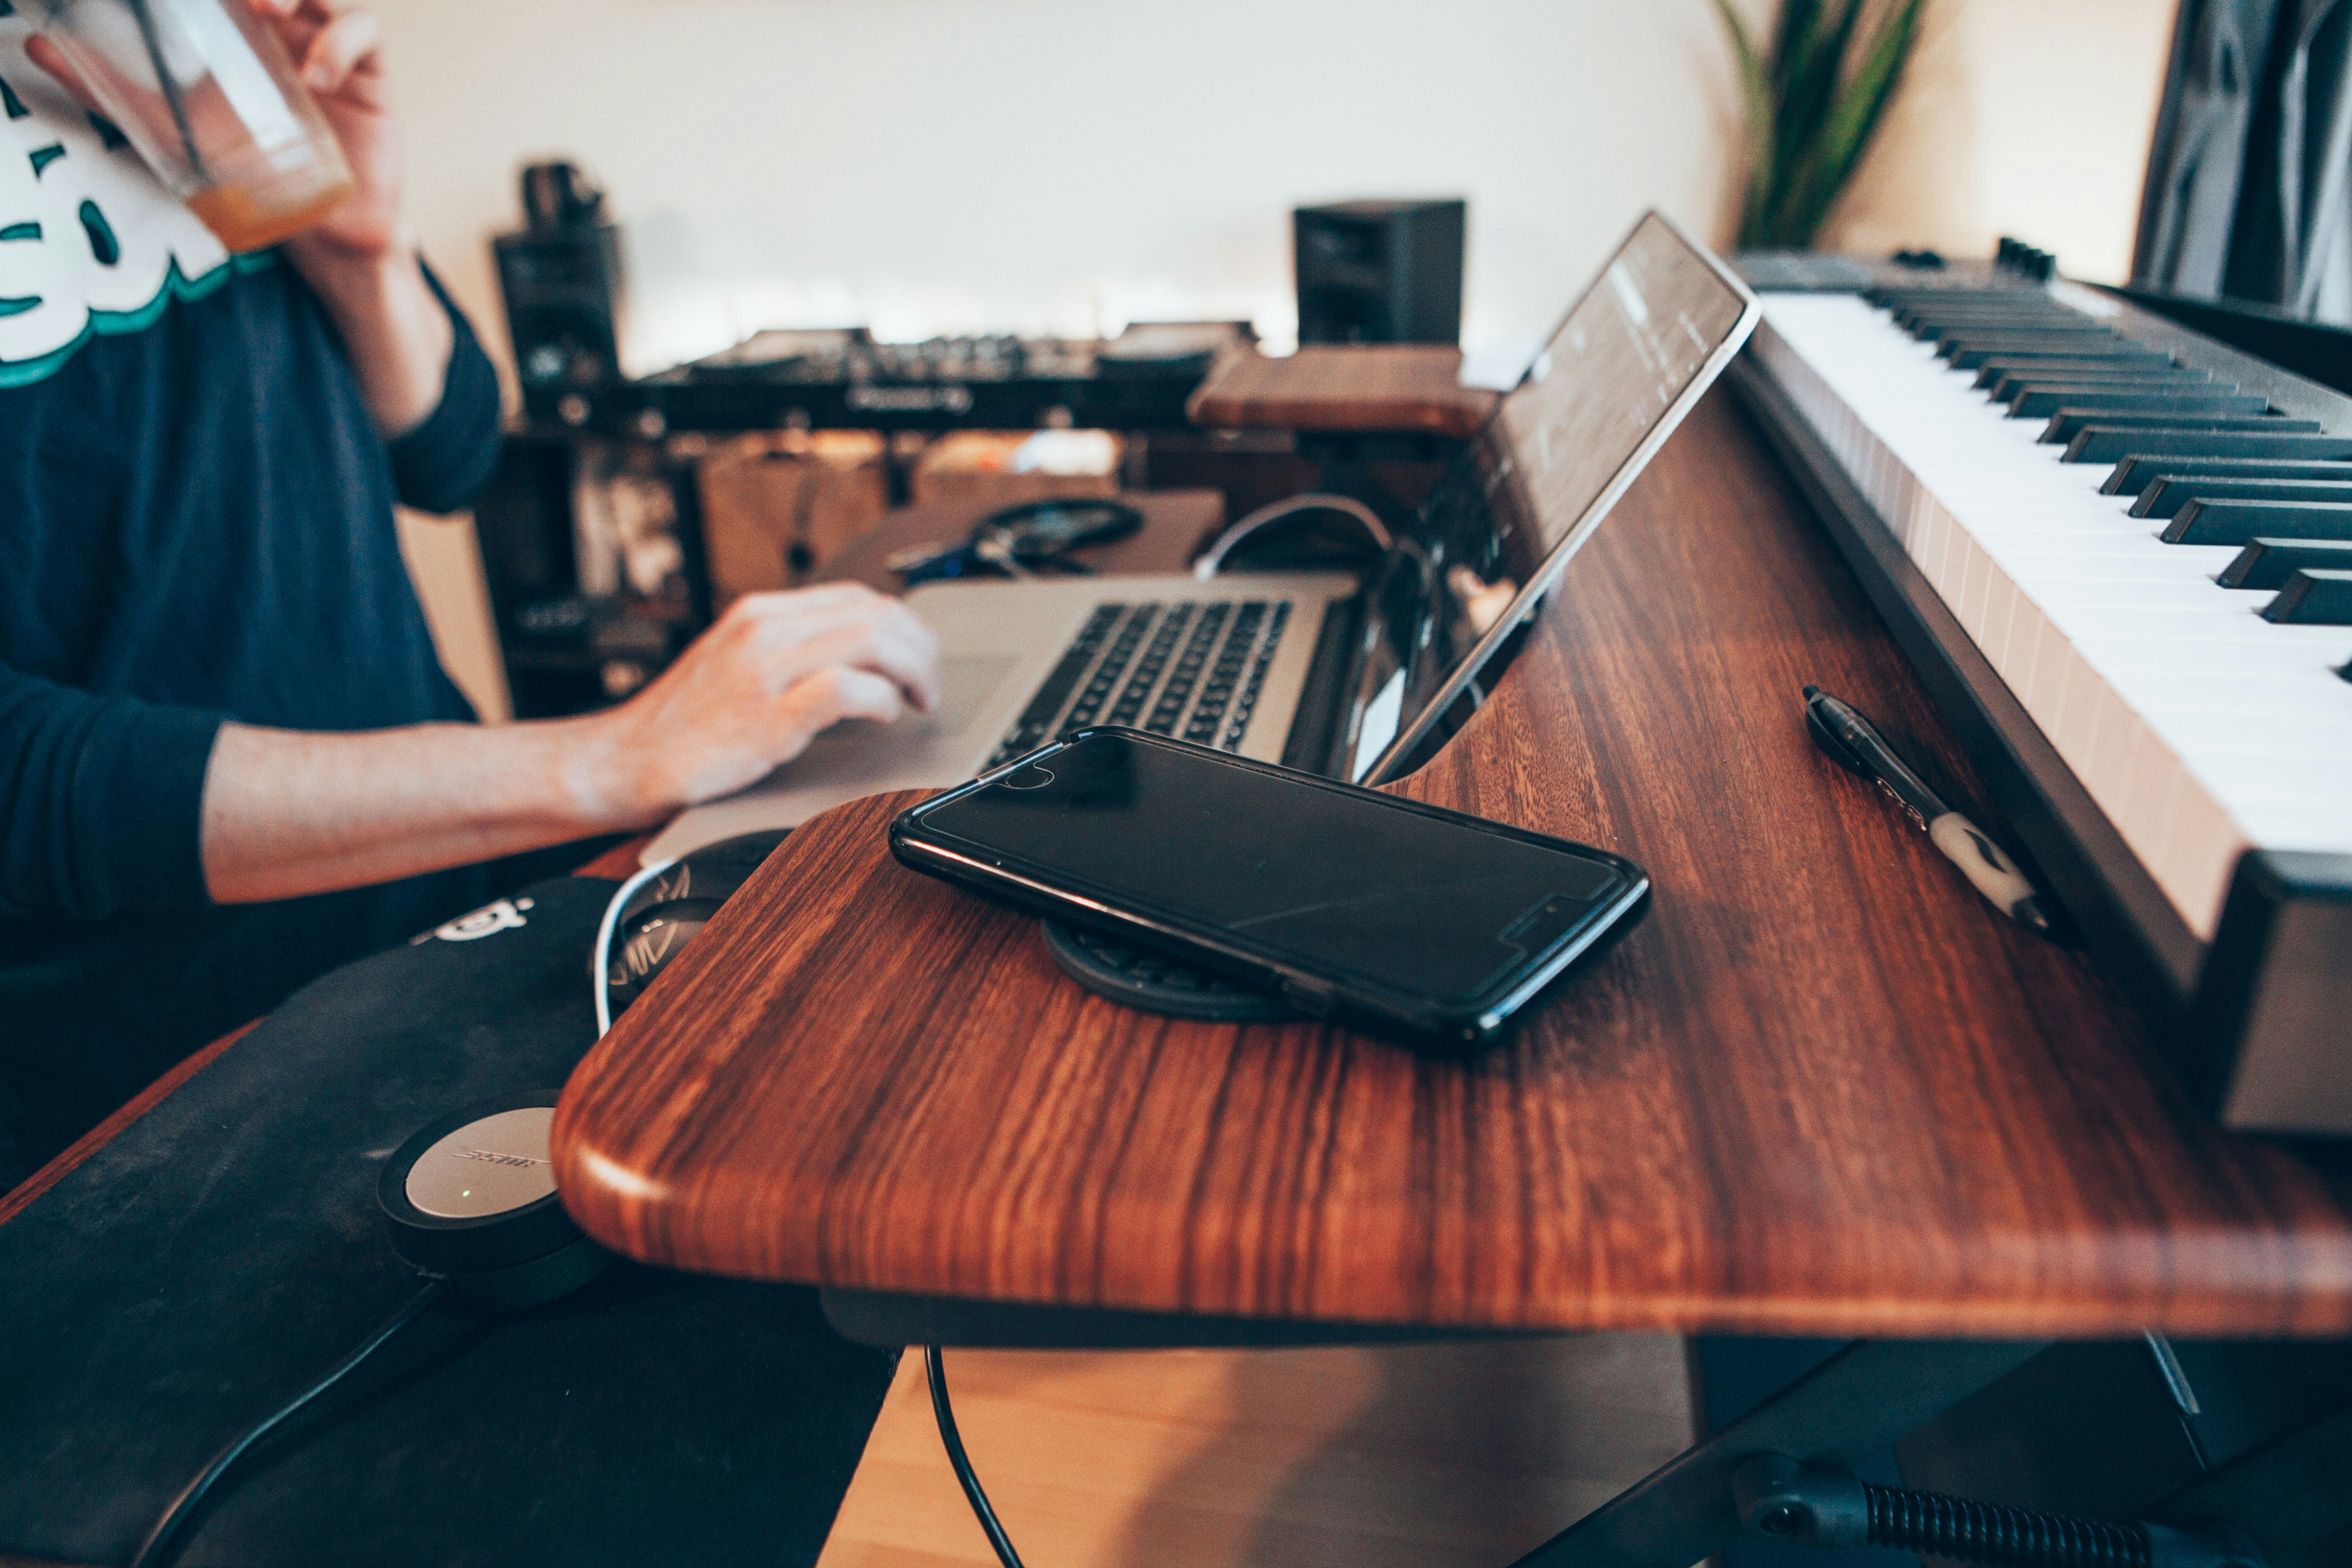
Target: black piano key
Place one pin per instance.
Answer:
(2011, 300)
(1948, 290)
(2135, 475)
(2098, 445)
(2150, 372)
(2201, 404)
(2005, 388)
(2312, 598)
(2068, 421)
(1973, 356)
(2240, 521)
(2165, 496)
(1991, 299)
(2094, 367)
(1936, 325)
(1937, 328)
(1953, 344)
(2123, 361)
(2269, 563)
(2081, 336)
(2110, 438)
(1981, 298)
(2008, 303)
(2031, 308)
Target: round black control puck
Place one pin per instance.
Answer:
(470, 1201)
(1152, 983)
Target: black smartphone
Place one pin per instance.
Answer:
(1388, 915)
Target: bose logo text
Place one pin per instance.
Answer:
(490, 1157)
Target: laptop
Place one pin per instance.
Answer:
(1344, 675)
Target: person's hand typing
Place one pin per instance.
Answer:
(288, 814)
(751, 692)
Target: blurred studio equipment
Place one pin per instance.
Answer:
(778, 504)
(593, 563)
(2248, 192)
(1380, 271)
(842, 378)
(562, 284)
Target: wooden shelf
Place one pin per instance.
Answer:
(1387, 388)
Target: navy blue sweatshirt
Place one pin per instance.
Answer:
(195, 525)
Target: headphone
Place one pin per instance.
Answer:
(469, 1203)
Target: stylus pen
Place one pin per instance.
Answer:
(1854, 743)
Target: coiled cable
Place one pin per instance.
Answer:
(1969, 1532)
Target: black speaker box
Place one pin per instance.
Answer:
(1380, 271)
(563, 292)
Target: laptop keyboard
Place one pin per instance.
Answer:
(1187, 668)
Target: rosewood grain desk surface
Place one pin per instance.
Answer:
(1822, 1089)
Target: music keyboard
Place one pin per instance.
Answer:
(2199, 728)
(2069, 477)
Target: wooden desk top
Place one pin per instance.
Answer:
(1387, 388)
(1822, 1090)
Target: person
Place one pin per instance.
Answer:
(229, 759)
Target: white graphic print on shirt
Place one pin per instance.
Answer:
(90, 242)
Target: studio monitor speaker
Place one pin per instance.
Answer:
(1380, 271)
(562, 289)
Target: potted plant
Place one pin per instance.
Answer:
(1814, 103)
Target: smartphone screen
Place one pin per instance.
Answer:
(1344, 880)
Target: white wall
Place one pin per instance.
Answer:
(946, 165)
(943, 166)
(2024, 117)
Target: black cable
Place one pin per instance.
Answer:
(1960, 1529)
(936, 1372)
(158, 1540)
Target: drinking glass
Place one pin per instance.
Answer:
(206, 92)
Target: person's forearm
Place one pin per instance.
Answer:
(398, 333)
(288, 814)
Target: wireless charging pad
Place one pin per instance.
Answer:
(1151, 983)
(470, 1201)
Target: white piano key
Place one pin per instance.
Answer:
(1973, 579)
(2202, 850)
(2115, 740)
(2000, 613)
(2078, 711)
(2150, 774)
(2045, 676)
(2198, 727)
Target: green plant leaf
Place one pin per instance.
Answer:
(1756, 89)
(1810, 75)
(1813, 106)
(1809, 95)
(1799, 19)
(1860, 108)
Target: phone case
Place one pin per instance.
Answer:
(1430, 1023)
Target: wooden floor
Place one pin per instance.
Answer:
(1425, 1455)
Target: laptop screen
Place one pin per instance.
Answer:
(1647, 339)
